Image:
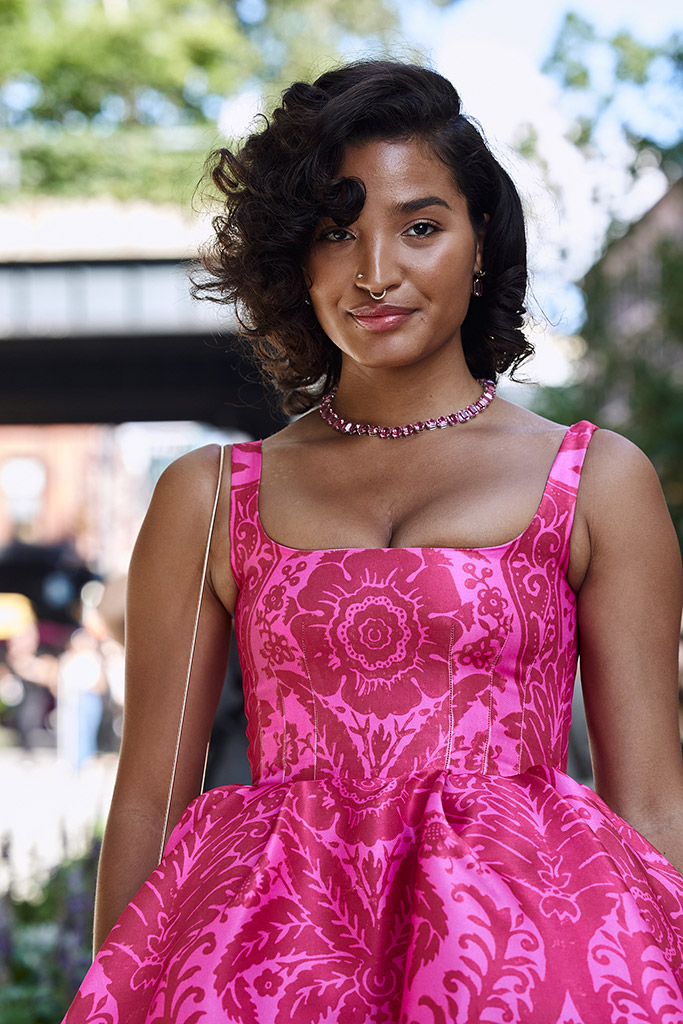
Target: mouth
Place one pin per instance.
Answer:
(381, 316)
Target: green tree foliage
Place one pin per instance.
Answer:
(631, 376)
(122, 96)
(46, 942)
(618, 88)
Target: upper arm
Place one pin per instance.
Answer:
(162, 599)
(629, 608)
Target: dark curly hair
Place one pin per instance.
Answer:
(283, 179)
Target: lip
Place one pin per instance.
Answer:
(381, 316)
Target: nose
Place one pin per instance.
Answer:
(378, 267)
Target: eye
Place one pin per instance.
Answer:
(422, 229)
(334, 234)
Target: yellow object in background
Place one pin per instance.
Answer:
(16, 615)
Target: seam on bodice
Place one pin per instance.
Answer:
(451, 713)
(315, 708)
(494, 664)
(284, 734)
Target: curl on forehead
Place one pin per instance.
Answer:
(405, 153)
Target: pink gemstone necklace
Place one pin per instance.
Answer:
(461, 416)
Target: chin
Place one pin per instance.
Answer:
(383, 362)
(384, 357)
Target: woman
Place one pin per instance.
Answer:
(406, 602)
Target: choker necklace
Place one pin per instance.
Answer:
(461, 416)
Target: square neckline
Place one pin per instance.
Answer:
(257, 447)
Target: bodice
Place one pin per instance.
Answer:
(385, 662)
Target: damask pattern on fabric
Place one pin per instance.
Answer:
(410, 850)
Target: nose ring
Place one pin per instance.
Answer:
(377, 298)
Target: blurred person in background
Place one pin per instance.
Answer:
(410, 565)
(30, 674)
(80, 697)
(110, 612)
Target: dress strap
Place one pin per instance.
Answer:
(566, 469)
(559, 500)
(244, 488)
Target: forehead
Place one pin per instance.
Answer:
(398, 166)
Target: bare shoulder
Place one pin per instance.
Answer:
(190, 480)
(617, 470)
(181, 505)
(611, 449)
(174, 535)
(621, 499)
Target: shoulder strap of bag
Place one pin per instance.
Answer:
(191, 659)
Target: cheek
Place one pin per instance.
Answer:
(449, 285)
(325, 289)
(325, 269)
(447, 268)
(325, 303)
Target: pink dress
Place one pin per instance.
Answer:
(411, 849)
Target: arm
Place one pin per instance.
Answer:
(163, 589)
(629, 607)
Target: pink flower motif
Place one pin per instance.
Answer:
(374, 807)
(492, 602)
(437, 839)
(273, 599)
(276, 649)
(376, 629)
(374, 626)
(267, 983)
(480, 654)
(255, 887)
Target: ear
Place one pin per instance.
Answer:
(480, 235)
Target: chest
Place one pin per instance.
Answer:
(378, 495)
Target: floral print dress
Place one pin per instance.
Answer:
(411, 849)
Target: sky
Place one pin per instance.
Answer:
(530, 26)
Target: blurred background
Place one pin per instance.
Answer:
(109, 371)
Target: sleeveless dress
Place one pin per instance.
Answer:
(410, 849)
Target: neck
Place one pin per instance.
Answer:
(392, 397)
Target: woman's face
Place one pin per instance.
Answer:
(413, 238)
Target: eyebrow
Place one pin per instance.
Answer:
(413, 205)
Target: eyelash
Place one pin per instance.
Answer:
(424, 223)
(326, 235)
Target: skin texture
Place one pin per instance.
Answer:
(470, 486)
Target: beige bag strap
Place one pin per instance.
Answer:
(191, 659)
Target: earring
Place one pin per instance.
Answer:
(478, 284)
